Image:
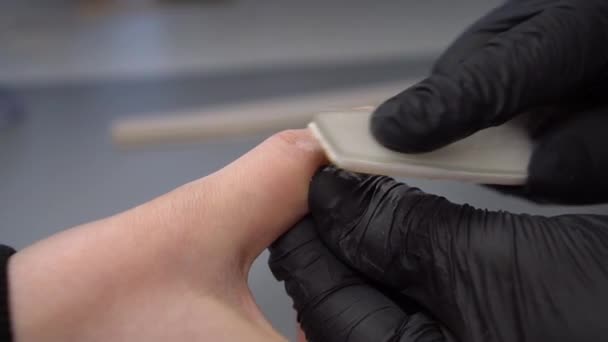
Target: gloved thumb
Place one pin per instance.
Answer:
(392, 233)
(335, 303)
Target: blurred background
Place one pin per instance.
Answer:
(69, 68)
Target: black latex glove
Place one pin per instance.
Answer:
(334, 303)
(483, 276)
(546, 57)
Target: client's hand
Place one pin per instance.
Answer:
(173, 269)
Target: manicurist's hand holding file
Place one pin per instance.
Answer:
(378, 260)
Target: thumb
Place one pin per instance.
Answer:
(335, 303)
(395, 234)
(249, 203)
(370, 221)
(268, 187)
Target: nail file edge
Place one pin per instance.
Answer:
(411, 170)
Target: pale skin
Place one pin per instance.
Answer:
(172, 269)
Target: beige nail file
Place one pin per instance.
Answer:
(497, 155)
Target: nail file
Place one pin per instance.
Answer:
(497, 155)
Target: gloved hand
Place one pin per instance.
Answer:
(474, 275)
(396, 264)
(545, 57)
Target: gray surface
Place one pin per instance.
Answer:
(52, 42)
(58, 169)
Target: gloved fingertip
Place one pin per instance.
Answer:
(301, 233)
(389, 126)
(414, 121)
(328, 186)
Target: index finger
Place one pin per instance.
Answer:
(537, 62)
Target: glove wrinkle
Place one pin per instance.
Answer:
(334, 302)
(485, 275)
